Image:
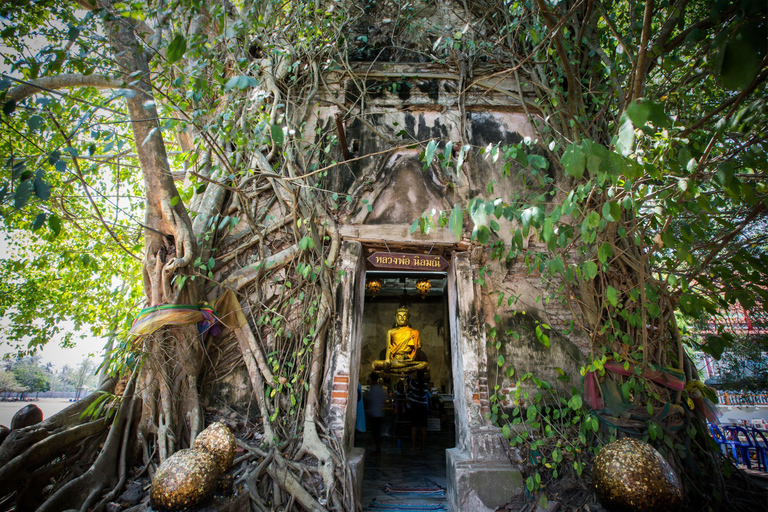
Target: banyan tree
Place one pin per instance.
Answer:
(591, 171)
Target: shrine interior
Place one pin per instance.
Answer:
(398, 463)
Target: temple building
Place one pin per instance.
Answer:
(381, 113)
(464, 296)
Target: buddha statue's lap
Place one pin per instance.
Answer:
(403, 345)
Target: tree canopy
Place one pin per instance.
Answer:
(648, 191)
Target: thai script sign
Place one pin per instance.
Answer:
(403, 261)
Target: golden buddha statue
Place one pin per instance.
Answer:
(403, 344)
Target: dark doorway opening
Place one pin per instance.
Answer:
(398, 463)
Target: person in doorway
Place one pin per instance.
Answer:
(401, 418)
(400, 401)
(360, 420)
(418, 402)
(376, 398)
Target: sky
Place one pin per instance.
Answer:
(53, 353)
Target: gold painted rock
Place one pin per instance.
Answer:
(219, 441)
(184, 480)
(631, 476)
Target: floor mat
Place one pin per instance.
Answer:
(433, 491)
(383, 506)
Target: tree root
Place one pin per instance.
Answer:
(257, 380)
(18, 441)
(281, 474)
(122, 471)
(43, 452)
(86, 488)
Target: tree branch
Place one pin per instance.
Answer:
(725, 240)
(676, 11)
(574, 85)
(51, 83)
(238, 279)
(638, 82)
(612, 28)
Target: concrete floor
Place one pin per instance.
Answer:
(404, 467)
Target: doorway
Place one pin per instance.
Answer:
(478, 472)
(394, 460)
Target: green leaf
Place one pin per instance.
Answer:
(42, 187)
(613, 296)
(641, 111)
(456, 221)
(34, 122)
(626, 141)
(240, 82)
(277, 134)
(462, 155)
(39, 221)
(54, 224)
(505, 431)
(574, 161)
(231, 83)
(626, 390)
(595, 154)
(500, 360)
(175, 200)
(306, 243)
(525, 218)
(742, 55)
(54, 157)
(448, 151)
(604, 252)
(538, 162)
(556, 265)
(589, 270)
(575, 402)
(9, 107)
(176, 49)
(612, 211)
(543, 338)
(429, 153)
(482, 233)
(22, 194)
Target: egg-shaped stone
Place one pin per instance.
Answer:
(219, 441)
(26, 416)
(631, 476)
(184, 480)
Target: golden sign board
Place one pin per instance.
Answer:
(404, 261)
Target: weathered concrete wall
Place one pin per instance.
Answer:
(232, 391)
(426, 318)
(342, 364)
(528, 355)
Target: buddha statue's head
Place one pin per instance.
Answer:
(402, 316)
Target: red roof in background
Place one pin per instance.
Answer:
(736, 321)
